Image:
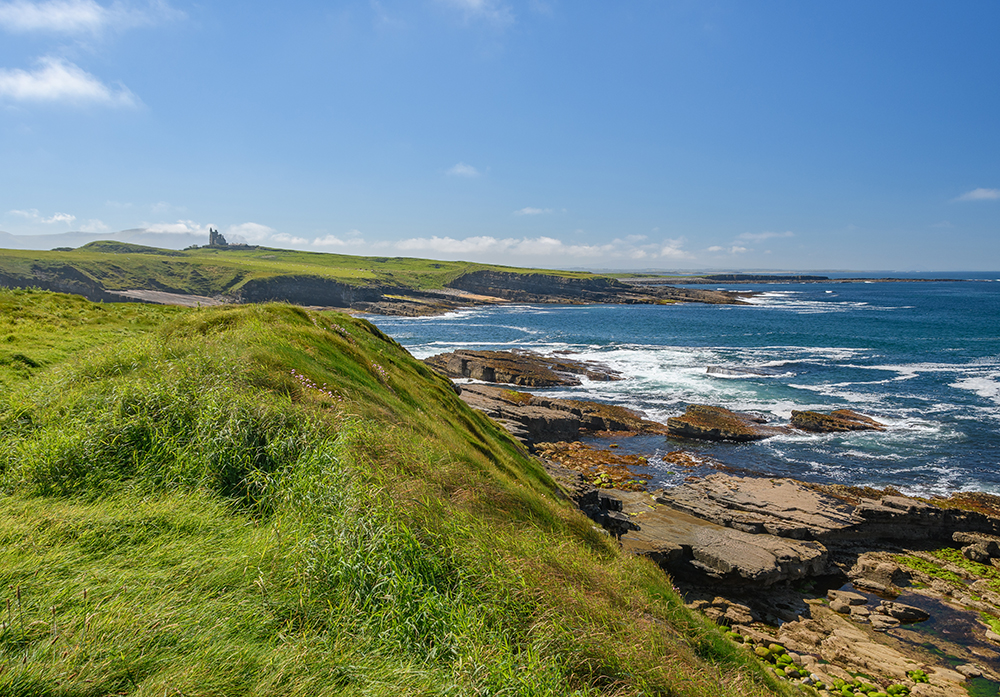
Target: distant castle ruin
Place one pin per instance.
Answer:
(215, 238)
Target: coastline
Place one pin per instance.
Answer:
(842, 581)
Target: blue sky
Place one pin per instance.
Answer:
(638, 134)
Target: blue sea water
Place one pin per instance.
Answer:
(924, 358)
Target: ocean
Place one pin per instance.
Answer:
(922, 357)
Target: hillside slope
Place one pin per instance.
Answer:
(113, 271)
(265, 500)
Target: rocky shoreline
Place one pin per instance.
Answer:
(844, 590)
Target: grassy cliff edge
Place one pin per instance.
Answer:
(263, 500)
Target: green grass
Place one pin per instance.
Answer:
(210, 271)
(261, 500)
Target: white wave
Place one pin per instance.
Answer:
(862, 455)
(749, 376)
(846, 395)
(986, 387)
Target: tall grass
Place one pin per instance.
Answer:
(268, 501)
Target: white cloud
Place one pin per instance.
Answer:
(72, 17)
(180, 226)
(548, 250)
(761, 236)
(242, 233)
(285, 238)
(672, 250)
(80, 16)
(980, 195)
(735, 249)
(532, 211)
(463, 170)
(353, 239)
(94, 225)
(250, 233)
(329, 241)
(490, 10)
(57, 80)
(34, 216)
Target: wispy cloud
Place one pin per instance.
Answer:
(242, 233)
(980, 195)
(353, 238)
(761, 236)
(490, 10)
(180, 226)
(94, 225)
(533, 251)
(77, 17)
(57, 80)
(285, 238)
(463, 170)
(533, 211)
(34, 216)
(250, 233)
(549, 249)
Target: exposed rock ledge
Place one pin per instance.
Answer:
(704, 422)
(836, 420)
(810, 529)
(746, 551)
(525, 368)
(533, 419)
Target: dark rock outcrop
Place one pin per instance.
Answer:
(704, 422)
(525, 368)
(61, 279)
(305, 290)
(533, 419)
(836, 421)
(548, 288)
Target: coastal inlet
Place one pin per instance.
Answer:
(921, 358)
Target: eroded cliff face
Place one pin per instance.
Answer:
(545, 288)
(306, 290)
(477, 288)
(61, 279)
(534, 287)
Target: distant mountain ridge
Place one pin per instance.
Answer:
(143, 236)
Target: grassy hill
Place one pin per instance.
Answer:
(213, 270)
(117, 271)
(262, 500)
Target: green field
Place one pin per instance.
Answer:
(263, 500)
(213, 270)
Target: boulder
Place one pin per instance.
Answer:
(876, 571)
(782, 507)
(692, 547)
(982, 552)
(533, 419)
(903, 613)
(836, 421)
(525, 368)
(846, 597)
(704, 422)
